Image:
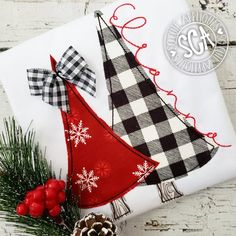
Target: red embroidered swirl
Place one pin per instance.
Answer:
(153, 71)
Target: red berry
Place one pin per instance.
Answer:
(50, 204)
(40, 187)
(36, 209)
(61, 197)
(21, 209)
(46, 184)
(38, 195)
(53, 183)
(50, 193)
(29, 194)
(62, 184)
(28, 201)
(55, 211)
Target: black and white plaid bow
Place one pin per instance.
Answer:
(51, 86)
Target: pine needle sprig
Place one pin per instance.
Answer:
(23, 167)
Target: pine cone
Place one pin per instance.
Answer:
(95, 225)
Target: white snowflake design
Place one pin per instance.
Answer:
(78, 134)
(143, 171)
(87, 180)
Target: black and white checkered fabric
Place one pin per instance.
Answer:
(51, 85)
(143, 119)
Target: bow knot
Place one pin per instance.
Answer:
(51, 84)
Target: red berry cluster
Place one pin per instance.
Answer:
(44, 199)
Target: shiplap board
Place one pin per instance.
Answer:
(211, 212)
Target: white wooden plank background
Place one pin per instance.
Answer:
(211, 212)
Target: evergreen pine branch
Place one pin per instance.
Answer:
(23, 167)
(71, 213)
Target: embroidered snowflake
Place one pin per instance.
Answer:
(103, 169)
(78, 133)
(143, 171)
(87, 180)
